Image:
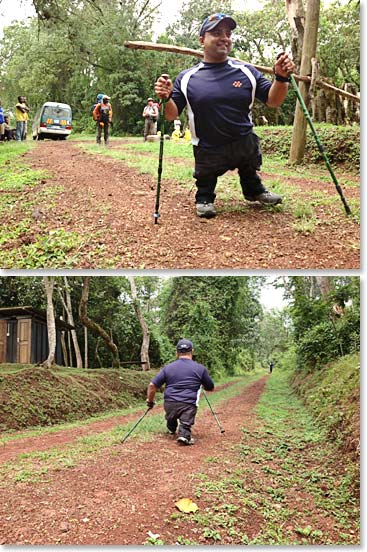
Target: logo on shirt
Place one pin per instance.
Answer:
(237, 84)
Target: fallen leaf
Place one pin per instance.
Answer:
(186, 505)
(153, 535)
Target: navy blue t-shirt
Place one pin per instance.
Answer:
(219, 98)
(183, 379)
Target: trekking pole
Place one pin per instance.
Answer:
(160, 162)
(222, 430)
(132, 429)
(318, 142)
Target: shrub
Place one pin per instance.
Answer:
(317, 346)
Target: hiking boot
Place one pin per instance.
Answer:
(170, 432)
(184, 441)
(266, 198)
(205, 210)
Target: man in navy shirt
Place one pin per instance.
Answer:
(183, 379)
(219, 94)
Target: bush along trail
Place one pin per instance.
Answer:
(272, 478)
(76, 205)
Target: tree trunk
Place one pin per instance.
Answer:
(94, 327)
(69, 311)
(48, 282)
(296, 18)
(144, 350)
(325, 284)
(86, 361)
(308, 52)
(64, 349)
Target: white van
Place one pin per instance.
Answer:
(53, 121)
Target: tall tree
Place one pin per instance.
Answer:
(66, 301)
(94, 327)
(308, 53)
(144, 351)
(49, 282)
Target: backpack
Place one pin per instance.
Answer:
(98, 101)
(104, 115)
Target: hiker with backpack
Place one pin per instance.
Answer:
(102, 114)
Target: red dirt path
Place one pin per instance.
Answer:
(118, 494)
(111, 207)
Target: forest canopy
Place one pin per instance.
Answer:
(231, 330)
(73, 50)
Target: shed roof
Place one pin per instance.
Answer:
(35, 313)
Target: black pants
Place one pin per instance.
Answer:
(244, 155)
(180, 412)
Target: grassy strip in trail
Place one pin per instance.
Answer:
(285, 477)
(33, 466)
(304, 212)
(48, 247)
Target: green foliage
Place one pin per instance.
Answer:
(219, 314)
(325, 324)
(34, 396)
(332, 394)
(69, 60)
(318, 345)
(341, 144)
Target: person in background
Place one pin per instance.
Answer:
(219, 94)
(8, 133)
(21, 117)
(150, 114)
(102, 114)
(2, 123)
(183, 378)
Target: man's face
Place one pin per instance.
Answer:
(217, 43)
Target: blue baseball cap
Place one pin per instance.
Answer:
(184, 346)
(213, 20)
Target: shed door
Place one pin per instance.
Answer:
(3, 341)
(24, 340)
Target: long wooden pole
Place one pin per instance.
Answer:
(170, 48)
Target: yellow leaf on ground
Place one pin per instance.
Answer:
(186, 505)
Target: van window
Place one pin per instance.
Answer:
(56, 112)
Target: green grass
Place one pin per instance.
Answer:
(48, 248)
(286, 455)
(178, 165)
(85, 447)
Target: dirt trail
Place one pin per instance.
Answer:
(122, 493)
(111, 206)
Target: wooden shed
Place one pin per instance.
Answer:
(23, 336)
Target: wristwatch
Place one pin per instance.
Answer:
(279, 78)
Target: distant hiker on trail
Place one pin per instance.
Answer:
(21, 117)
(102, 113)
(2, 123)
(271, 366)
(150, 114)
(183, 379)
(219, 94)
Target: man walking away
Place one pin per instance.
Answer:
(271, 366)
(183, 379)
(103, 115)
